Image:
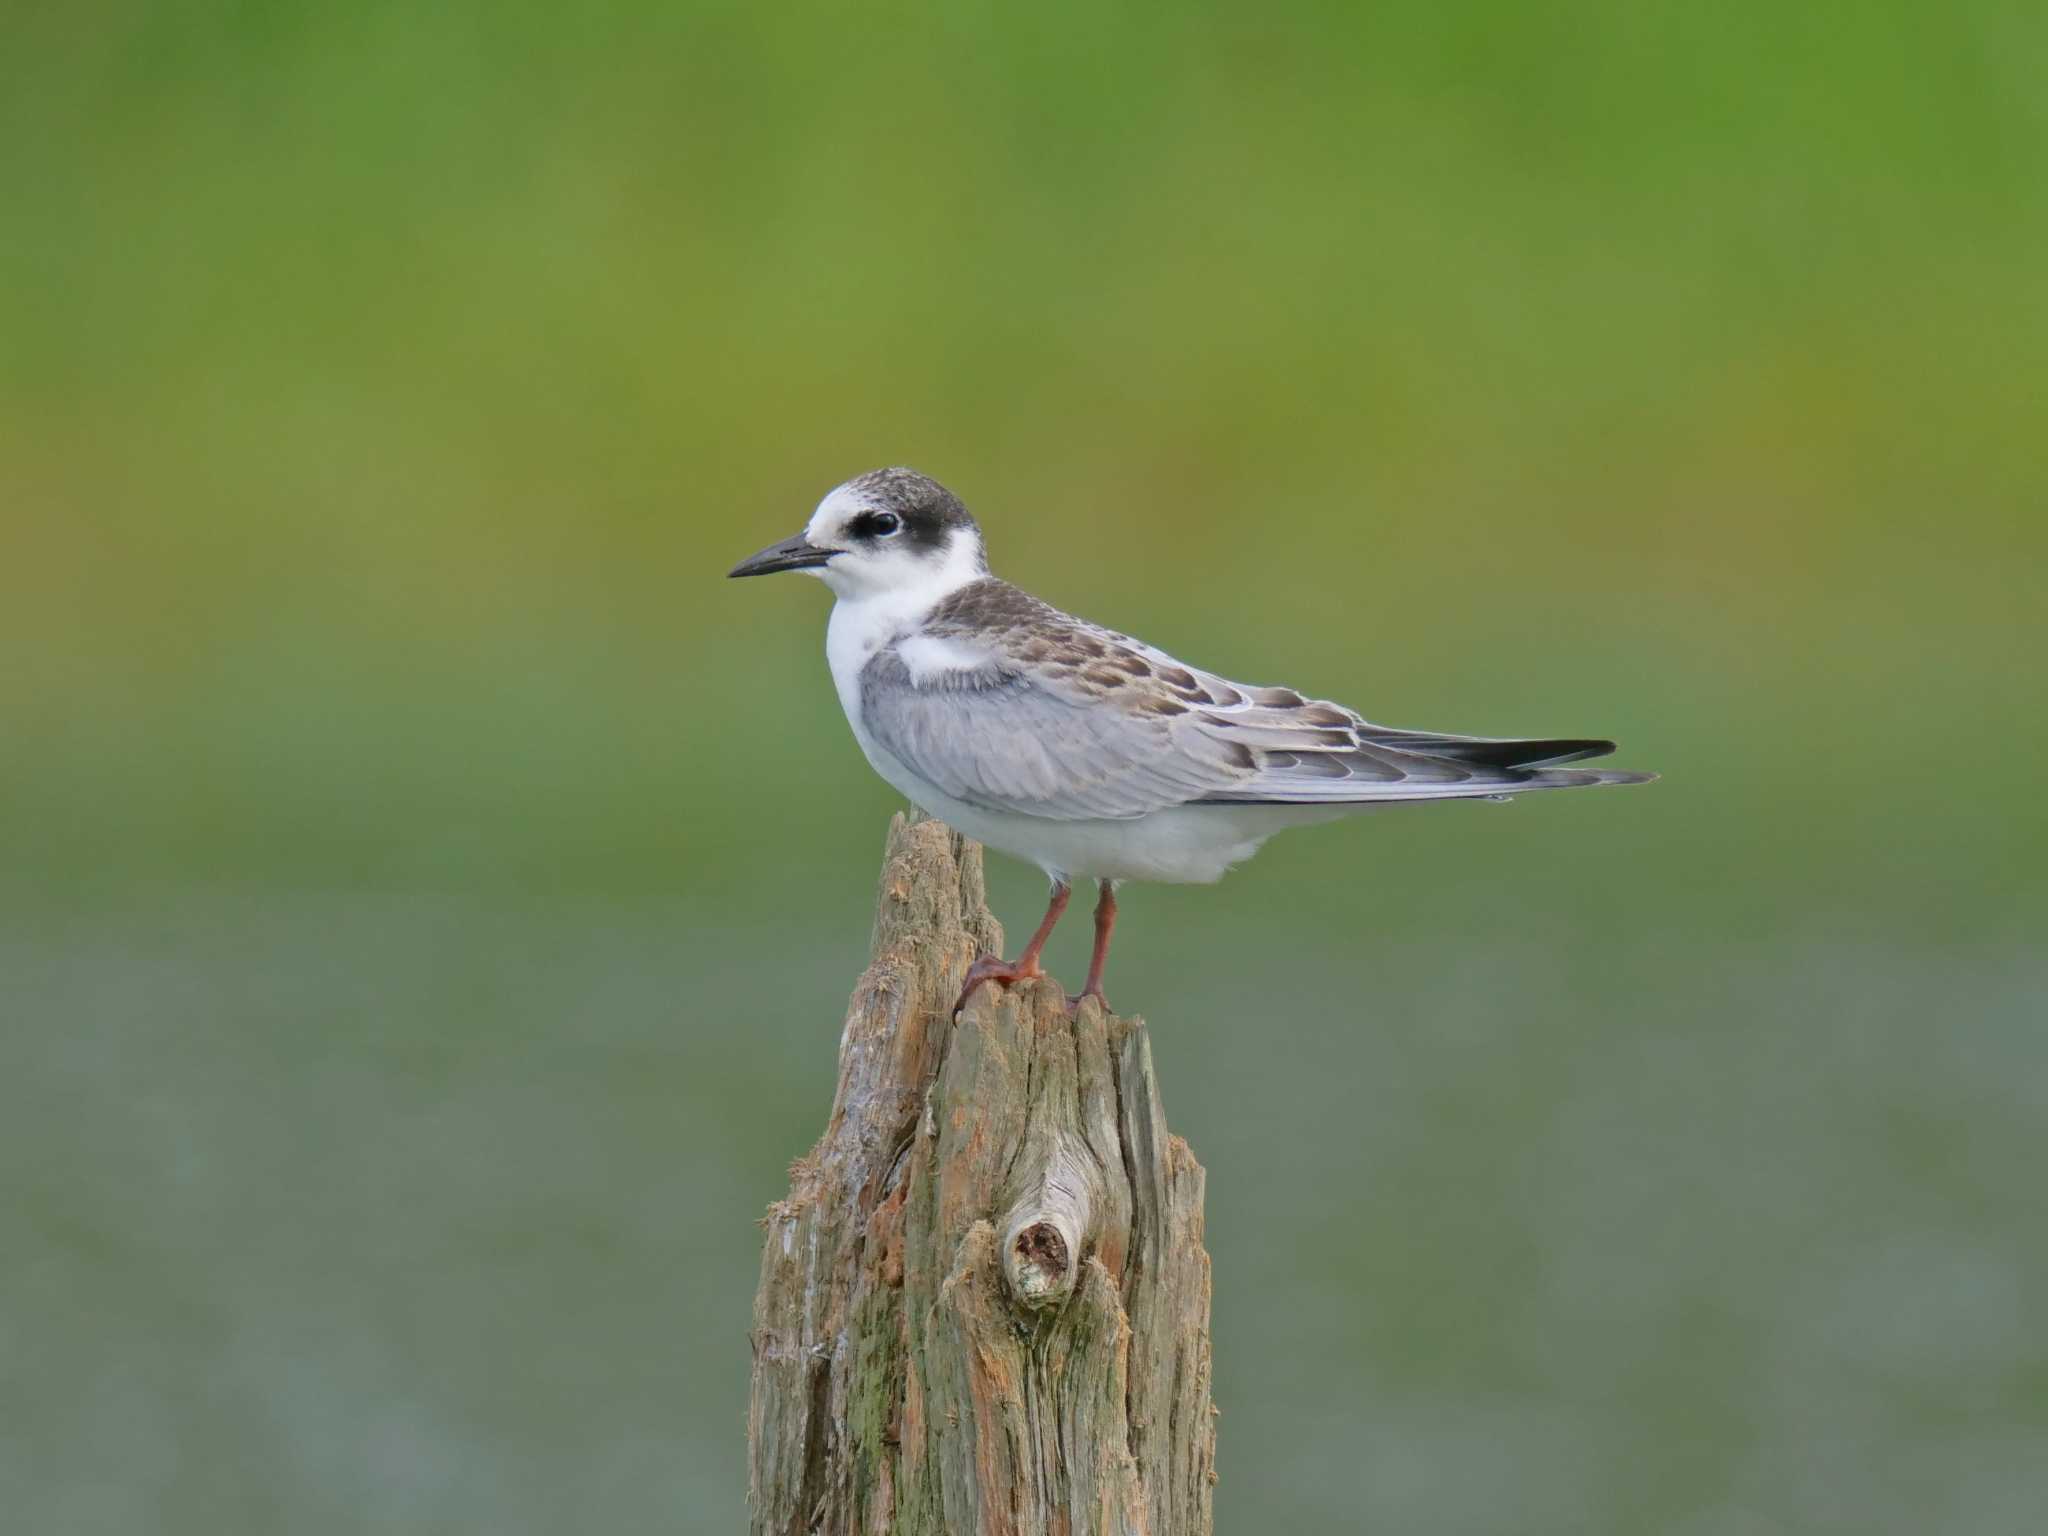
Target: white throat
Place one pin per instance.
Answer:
(895, 588)
(870, 615)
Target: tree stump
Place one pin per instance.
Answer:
(984, 1306)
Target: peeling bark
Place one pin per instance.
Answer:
(984, 1305)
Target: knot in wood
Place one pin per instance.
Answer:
(1042, 1266)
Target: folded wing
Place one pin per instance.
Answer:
(1054, 717)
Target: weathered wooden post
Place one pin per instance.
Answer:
(984, 1307)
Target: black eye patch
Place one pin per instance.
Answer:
(874, 525)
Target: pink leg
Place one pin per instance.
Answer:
(996, 969)
(1105, 925)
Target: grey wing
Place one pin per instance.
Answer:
(1311, 752)
(1008, 737)
(1100, 740)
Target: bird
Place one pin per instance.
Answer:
(1080, 749)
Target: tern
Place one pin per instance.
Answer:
(1082, 750)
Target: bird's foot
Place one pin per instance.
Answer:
(1005, 973)
(1074, 1003)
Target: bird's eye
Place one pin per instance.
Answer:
(886, 523)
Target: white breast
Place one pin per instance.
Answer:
(856, 631)
(929, 657)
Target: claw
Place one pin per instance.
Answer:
(1004, 973)
(1009, 972)
(1074, 1003)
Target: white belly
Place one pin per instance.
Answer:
(1183, 845)
(1187, 845)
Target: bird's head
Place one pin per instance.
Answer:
(890, 531)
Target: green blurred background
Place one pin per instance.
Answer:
(429, 891)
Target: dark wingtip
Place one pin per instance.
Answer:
(1575, 750)
(1536, 752)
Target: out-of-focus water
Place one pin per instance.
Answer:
(350, 1212)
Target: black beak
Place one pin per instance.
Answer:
(790, 555)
